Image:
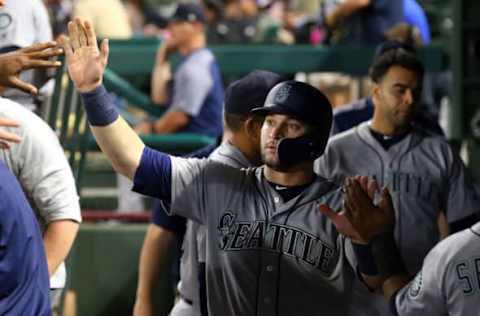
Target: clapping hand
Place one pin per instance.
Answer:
(361, 219)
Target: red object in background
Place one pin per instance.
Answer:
(100, 216)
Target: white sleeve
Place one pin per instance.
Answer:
(44, 172)
(41, 21)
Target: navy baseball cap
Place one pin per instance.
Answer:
(188, 12)
(298, 100)
(250, 92)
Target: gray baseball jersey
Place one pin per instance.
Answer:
(423, 176)
(264, 256)
(194, 240)
(449, 282)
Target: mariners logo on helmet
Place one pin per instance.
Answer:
(282, 94)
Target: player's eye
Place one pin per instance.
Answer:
(269, 122)
(294, 127)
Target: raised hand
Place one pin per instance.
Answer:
(35, 56)
(5, 137)
(362, 220)
(86, 63)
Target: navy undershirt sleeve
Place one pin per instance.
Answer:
(173, 223)
(154, 175)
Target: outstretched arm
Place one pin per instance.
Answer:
(35, 56)
(86, 65)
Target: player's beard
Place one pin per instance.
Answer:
(274, 162)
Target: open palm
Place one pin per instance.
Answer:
(86, 63)
(362, 220)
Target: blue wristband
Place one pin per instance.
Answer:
(365, 258)
(99, 107)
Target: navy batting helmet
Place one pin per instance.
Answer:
(307, 104)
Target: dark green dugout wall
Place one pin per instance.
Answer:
(103, 271)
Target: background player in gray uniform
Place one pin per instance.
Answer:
(240, 149)
(269, 250)
(423, 174)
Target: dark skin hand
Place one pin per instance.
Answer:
(361, 219)
(35, 56)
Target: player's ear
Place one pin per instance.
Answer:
(375, 92)
(252, 127)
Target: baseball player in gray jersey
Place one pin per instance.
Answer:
(269, 251)
(240, 149)
(421, 171)
(448, 282)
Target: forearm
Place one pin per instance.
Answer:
(58, 239)
(121, 145)
(393, 284)
(171, 122)
(154, 258)
(160, 77)
(115, 137)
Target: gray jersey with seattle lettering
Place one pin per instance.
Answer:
(264, 256)
(449, 282)
(423, 176)
(194, 240)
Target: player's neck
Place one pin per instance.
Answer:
(245, 147)
(298, 175)
(380, 126)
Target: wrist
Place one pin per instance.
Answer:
(90, 87)
(99, 107)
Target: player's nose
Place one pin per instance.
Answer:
(408, 97)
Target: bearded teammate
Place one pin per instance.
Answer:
(240, 149)
(422, 172)
(269, 250)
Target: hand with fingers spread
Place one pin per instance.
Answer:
(35, 56)
(86, 63)
(6, 137)
(362, 220)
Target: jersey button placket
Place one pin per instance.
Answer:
(268, 287)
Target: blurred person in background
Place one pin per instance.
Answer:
(24, 23)
(231, 21)
(60, 12)
(362, 21)
(109, 17)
